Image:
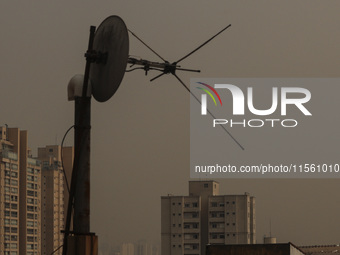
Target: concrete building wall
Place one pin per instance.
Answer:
(230, 219)
(189, 223)
(30, 207)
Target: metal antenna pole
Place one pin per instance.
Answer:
(82, 241)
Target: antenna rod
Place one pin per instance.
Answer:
(212, 115)
(88, 63)
(146, 45)
(202, 44)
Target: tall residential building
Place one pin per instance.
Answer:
(54, 191)
(19, 195)
(127, 249)
(189, 223)
(143, 248)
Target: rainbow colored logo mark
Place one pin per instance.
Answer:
(204, 97)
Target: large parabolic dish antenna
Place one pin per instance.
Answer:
(111, 44)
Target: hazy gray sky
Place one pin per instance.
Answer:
(140, 138)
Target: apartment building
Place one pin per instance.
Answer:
(54, 191)
(189, 223)
(20, 195)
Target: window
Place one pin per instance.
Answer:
(186, 205)
(206, 185)
(194, 204)
(213, 204)
(214, 225)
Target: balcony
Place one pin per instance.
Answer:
(33, 162)
(9, 155)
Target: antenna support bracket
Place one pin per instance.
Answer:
(96, 57)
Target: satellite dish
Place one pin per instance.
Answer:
(111, 46)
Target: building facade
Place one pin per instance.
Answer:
(189, 223)
(54, 191)
(20, 195)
